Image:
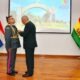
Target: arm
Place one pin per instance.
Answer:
(21, 33)
(25, 32)
(8, 37)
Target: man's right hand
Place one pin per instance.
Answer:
(19, 31)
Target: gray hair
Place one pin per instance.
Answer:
(25, 17)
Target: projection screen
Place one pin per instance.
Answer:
(49, 16)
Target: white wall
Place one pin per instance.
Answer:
(57, 44)
(3, 14)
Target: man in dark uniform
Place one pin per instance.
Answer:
(11, 44)
(29, 43)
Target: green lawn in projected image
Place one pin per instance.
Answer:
(48, 15)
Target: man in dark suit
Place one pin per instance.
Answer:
(29, 44)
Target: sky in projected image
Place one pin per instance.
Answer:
(48, 15)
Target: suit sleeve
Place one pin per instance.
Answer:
(25, 32)
(8, 37)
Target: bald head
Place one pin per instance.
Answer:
(24, 19)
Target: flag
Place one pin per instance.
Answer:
(1, 28)
(76, 33)
(1, 44)
(2, 31)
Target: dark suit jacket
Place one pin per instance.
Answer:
(29, 36)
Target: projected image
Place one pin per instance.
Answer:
(47, 15)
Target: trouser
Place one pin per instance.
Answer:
(30, 60)
(11, 60)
